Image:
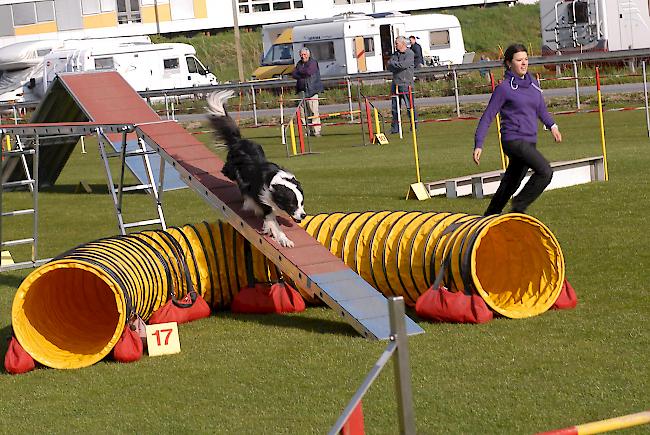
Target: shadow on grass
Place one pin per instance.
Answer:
(309, 324)
(95, 189)
(11, 281)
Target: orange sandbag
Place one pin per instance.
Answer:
(191, 307)
(129, 347)
(567, 299)
(17, 360)
(441, 305)
(264, 299)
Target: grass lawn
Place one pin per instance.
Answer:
(294, 374)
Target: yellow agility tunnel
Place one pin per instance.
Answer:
(69, 313)
(512, 261)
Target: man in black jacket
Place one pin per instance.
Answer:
(417, 52)
(308, 84)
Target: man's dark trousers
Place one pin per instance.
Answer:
(403, 90)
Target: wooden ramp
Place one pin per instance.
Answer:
(565, 174)
(105, 97)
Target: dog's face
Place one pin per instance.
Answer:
(287, 194)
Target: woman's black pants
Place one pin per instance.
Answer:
(522, 155)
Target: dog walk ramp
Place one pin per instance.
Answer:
(565, 174)
(107, 98)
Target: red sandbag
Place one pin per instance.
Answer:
(191, 307)
(17, 360)
(567, 299)
(444, 306)
(264, 299)
(129, 347)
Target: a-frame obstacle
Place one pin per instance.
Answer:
(106, 98)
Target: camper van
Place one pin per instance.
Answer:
(354, 43)
(21, 63)
(144, 66)
(574, 26)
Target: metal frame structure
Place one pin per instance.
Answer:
(47, 130)
(116, 191)
(398, 347)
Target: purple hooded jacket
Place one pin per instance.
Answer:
(520, 102)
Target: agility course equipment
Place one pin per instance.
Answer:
(513, 261)
(104, 97)
(70, 312)
(565, 174)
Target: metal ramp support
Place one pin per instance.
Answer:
(151, 187)
(32, 184)
(40, 133)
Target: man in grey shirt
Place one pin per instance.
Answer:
(401, 64)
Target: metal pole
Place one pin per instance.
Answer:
(254, 105)
(575, 75)
(367, 382)
(456, 92)
(166, 106)
(284, 135)
(401, 365)
(123, 165)
(645, 95)
(347, 80)
(235, 21)
(37, 143)
(363, 133)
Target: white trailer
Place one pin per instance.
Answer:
(570, 26)
(144, 66)
(352, 43)
(21, 63)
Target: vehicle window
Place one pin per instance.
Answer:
(321, 51)
(192, 67)
(368, 46)
(171, 63)
(104, 63)
(278, 54)
(439, 38)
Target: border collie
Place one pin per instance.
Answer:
(265, 186)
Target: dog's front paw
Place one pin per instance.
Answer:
(283, 240)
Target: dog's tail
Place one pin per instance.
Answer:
(224, 126)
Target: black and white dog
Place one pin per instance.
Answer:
(265, 187)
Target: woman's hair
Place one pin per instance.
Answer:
(511, 51)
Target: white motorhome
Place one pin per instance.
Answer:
(144, 66)
(570, 26)
(352, 43)
(21, 63)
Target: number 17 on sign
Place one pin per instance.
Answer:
(162, 339)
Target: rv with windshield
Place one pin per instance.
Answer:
(143, 66)
(27, 68)
(575, 26)
(354, 43)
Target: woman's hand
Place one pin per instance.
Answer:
(555, 131)
(477, 155)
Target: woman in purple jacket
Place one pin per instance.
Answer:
(520, 102)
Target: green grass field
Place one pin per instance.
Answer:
(294, 374)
